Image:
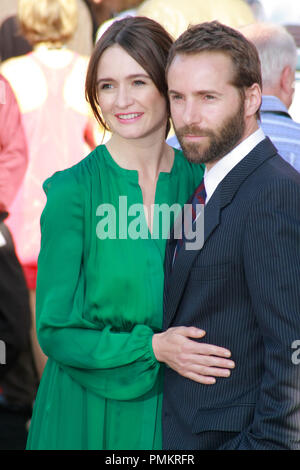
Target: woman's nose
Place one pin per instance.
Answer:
(124, 97)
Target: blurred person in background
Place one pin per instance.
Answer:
(105, 12)
(49, 87)
(14, 44)
(18, 377)
(278, 56)
(287, 13)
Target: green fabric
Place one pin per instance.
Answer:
(99, 301)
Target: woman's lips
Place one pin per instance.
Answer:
(127, 118)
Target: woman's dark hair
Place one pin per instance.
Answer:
(146, 41)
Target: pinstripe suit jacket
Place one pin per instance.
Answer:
(242, 288)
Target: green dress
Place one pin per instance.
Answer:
(99, 301)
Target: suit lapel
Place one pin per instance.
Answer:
(177, 276)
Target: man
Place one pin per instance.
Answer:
(18, 380)
(242, 286)
(278, 55)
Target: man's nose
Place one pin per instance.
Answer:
(191, 113)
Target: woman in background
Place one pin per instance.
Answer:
(100, 276)
(49, 86)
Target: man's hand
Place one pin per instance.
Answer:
(200, 362)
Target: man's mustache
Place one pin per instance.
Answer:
(193, 130)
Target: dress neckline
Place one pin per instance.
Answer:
(133, 175)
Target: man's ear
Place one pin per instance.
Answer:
(252, 99)
(287, 79)
(287, 85)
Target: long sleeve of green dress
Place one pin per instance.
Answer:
(87, 352)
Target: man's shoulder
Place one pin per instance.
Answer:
(263, 169)
(273, 111)
(274, 173)
(281, 169)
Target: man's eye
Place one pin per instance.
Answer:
(209, 97)
(175, 97)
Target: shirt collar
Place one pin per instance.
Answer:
(215, 175)
(272, 103)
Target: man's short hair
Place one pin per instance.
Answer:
(216, 37)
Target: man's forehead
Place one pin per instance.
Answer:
(200, 64)
(199, 56)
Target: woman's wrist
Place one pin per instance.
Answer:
(156, 338)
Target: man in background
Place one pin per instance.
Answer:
(278, 55)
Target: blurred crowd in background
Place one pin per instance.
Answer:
(46, 126)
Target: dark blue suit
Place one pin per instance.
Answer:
(242, 288)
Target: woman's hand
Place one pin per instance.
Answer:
(200, 362)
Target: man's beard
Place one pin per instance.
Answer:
(221, 141)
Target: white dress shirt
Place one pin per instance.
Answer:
(214, 176)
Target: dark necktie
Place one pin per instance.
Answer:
(199, 197)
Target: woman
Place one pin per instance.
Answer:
(100, 278)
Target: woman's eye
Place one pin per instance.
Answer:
(106, 86)
(138, 82)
